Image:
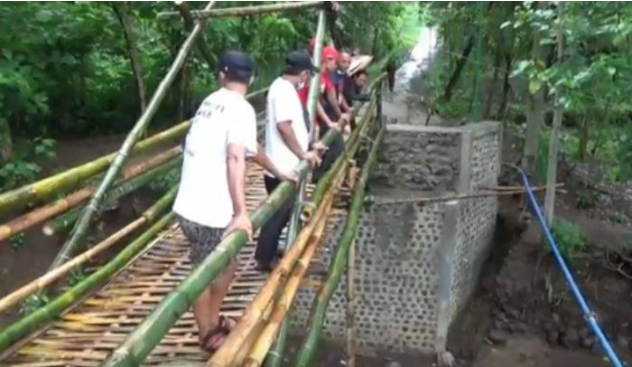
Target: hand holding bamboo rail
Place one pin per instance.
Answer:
(246, 10)
(71, 178)
(81, 228)
(47, 279)
(282, 307)
(34, 320)
(336, 268)
(48, 211)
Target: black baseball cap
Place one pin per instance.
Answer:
(299, 61)
(237, 64)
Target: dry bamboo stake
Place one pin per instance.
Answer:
(453, 197)
(266, 338)
(48, 211)
(45, 280)
(224, 357)
(240, 356)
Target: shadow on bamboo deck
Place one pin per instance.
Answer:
(86, 334)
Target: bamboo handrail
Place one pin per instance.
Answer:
(34, 320)
(252, 316)
(246, 10)
(282, 307)
(48, 211)
(45, 280)
(79, 233)
(318, 312)
(68, 179)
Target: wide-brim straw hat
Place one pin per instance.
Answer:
(358, 63)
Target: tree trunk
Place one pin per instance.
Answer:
(182, 91)
(535, 109)
(460, 64)
(6, 141)
(549, 200)
(502, 108)
(492, 89)
(583, 139)
(124, 14)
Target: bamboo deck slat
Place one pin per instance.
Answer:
(86, 334)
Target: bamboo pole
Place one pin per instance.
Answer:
(452, 197)
(122, 189)
(294, 222)
(79, 233)
(148, 334)
(319, 309)
(252, 316)
(246, 10)
(47, 279)
(69, 179)
(46, 212)
(189, 23)
(62, 222)
(282, 307)
(35, 320)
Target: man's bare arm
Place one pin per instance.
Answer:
(289, 138)
(236, 165)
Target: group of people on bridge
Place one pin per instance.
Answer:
(211, 199)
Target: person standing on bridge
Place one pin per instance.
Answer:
(329, 113)
(287, 142)
(211, 199)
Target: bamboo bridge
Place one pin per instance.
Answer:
(134, 308)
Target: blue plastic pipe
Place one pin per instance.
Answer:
(588, 314)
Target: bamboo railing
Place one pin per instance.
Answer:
(71, 178)
(39, 284)
(37, 318)
(336, 269)
(48, 211)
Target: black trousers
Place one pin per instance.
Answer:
(268, 242)
(334, 151)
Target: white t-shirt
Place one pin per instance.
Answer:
(284, 105)
(225, 117)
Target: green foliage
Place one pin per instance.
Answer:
(76, 276)
(17, 241)
(568, 236)
(34, 302)
(166, 182)
(22, 168)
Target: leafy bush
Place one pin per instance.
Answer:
(21, 168)
(568, 236)
(166, 182)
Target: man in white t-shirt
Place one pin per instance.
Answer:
(211, 200)
(287, 142)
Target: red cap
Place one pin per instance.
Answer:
(311, 46)
(330, 52)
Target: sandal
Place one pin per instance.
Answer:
(215, 337)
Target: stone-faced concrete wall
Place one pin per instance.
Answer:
(419, 158)
(395, 280)
(416, 263)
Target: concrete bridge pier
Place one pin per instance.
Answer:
(416, 263)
